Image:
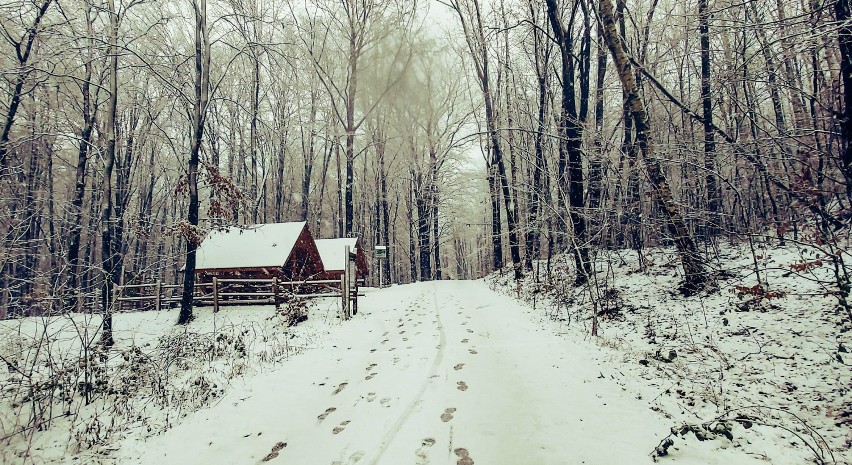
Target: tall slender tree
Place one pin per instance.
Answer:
(199, 111)
(695, 273)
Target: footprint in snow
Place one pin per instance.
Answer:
(372, 365)
(422, 451)
(339, 428)
(470, 331)
(339, 388)
(473, 352)
(385, 401)
(465, 340)
(448, 414)
(461, 386)
(464, 456)
(458, 366)
(322, 416)
(353, 459)
(275, 450)
(371, 396)
(370, 376)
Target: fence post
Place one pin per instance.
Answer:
(158, 298)
(275, 291)
(344, 300)
(215, 295)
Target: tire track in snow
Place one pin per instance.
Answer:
(433, 370)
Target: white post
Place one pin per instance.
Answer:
(343, 300)
(348, 273)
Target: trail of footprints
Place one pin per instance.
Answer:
(427, 443)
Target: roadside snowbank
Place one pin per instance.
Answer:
(777, 363)
(63, 398)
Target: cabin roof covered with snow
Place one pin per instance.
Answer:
(332, 252)
(259, 246)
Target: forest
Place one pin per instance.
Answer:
(466, 135)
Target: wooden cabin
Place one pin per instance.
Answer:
(333, 254)
(286, 251)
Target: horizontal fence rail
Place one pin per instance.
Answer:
(237, 291)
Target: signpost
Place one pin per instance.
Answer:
(381, 252)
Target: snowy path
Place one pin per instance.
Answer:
(431, 373)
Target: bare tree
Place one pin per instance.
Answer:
(199, 111)
(470, 17)
(695, 274)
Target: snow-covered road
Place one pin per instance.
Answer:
(433, 373)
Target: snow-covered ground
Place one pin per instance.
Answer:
(155, 374)
(459, 372)
(779, 365)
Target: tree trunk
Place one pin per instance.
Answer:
(570, 147)
(76, 213)
(423, 228)
(436, 235)
(412, 229)
(202, 80)
(533, 239)
(24, 49)
(596, 162)
(255, 107)
(496, 221)
(385, 212)
(695, 274)
(843, 14)
(107, 228)
(713, 198)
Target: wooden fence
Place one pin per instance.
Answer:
(223, 292)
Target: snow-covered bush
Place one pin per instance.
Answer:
(56, 376)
